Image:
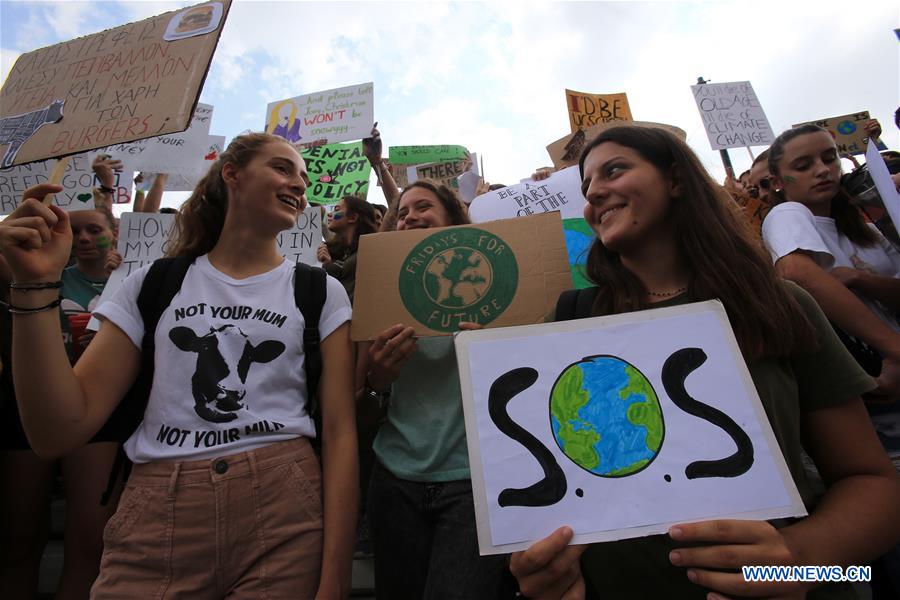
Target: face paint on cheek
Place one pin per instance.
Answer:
(789, 179)
(102, 242)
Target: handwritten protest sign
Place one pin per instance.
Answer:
(335, 171)
(339, 115)
(78, 182)
(566, 151)
(561, 191)
(848, 132)
(419, 155)
(623, 430)
(182, 152)
(119, 85)
(187, 180)
(732, 115)
(299, 243)
(497, 274)
(444, 172)
(586, 110)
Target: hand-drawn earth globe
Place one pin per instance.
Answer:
(606, 416)
(458, 277)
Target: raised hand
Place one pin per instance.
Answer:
(105, 168)
(372, 146)
(36, 240)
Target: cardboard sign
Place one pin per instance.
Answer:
(443, 172)
(500, 273)
(78, 181)
(420, 155)
(561, 191)
(732, 115)
(848, 132)
(335, 171)
(119, 85)
(339, 115)
(652, 412)
(566, 151)
(184, 152)
(587, 110)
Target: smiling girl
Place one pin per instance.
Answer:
(226, 496)
(666, 235)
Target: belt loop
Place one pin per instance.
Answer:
(173, 480)
(254, 470)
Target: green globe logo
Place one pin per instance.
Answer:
(458, 274)
(606, 416)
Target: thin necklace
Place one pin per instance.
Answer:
(668, 294)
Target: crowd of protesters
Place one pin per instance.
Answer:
(810, 285)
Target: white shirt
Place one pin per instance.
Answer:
(228, 364)
(791, 226)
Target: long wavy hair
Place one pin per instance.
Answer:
(365, 223)
(199, 223)
(844, 209)
(448, 198)
(718, 247)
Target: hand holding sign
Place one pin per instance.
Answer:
(35, 239)
(550, 568)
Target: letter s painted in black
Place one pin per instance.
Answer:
(675, 370)
(552, 487)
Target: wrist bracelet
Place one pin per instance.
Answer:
(44, 285)
(106, 190)
(18, 310)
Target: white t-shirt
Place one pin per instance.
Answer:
(791, 226)
(228, 366)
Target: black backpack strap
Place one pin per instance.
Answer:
(161, 284)
(310, 292)
(575, 304)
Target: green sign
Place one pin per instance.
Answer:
(335, 171)
(418, 155)
(460, 274)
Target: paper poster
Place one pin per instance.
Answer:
(339, 115)
(187, 180)
(561, 191)
(78, 182)
(335, 171)
(587, 110)
(500, 273)
(732, 115)
(848, 132)
(566, 151)
(119, 85)
(299, 243)
(419, 155)
(184, 152)
(619, 427)
(881, 177)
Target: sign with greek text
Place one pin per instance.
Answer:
(651, 412)
(78, 182)
(732, 115)
(586, 110)
(339, 115)
(848, 132)
(119, 85)
(419, 155)
(335, 171)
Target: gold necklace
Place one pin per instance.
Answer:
(668, 294)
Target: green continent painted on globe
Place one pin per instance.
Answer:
(606, 416)
(458, 274)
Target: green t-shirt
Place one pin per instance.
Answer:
(424, 438)
(78, 292)
(640, 568)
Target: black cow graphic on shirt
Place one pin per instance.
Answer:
(224, 356)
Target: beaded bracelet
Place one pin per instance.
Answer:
(106, 190)
(18, 310)
(27, 287)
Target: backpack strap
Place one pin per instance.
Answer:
(310, 293)
(575, 304)
(162, 282)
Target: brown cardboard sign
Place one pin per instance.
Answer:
(586, 110)
(848, 132)
(501, 273)
(123, 84)
(566, 151)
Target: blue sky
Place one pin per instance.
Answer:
(491, 76)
